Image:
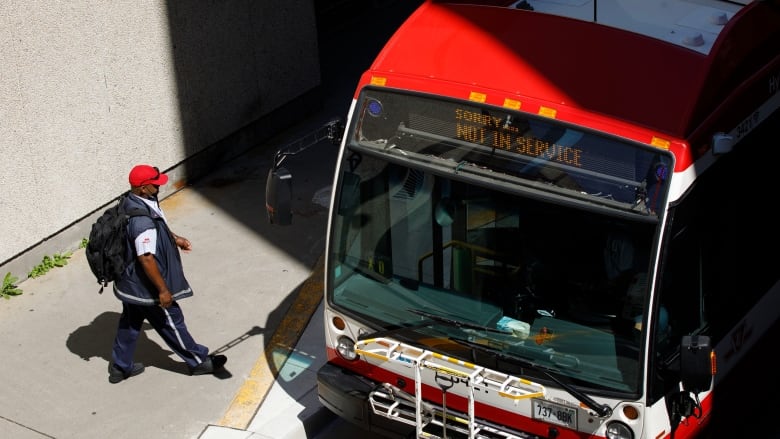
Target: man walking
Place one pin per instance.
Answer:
(151, 286)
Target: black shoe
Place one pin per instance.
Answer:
(212, 364)
(116, 374)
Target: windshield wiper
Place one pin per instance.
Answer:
(602, 410)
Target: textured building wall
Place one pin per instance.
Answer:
(90, 88)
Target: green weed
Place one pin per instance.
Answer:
(49, 262)
(9, 287)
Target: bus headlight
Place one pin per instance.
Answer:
(346, 348)
(618, 430)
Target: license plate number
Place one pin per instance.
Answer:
(554, 413)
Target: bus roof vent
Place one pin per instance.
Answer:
(719, 18)
(693, 39)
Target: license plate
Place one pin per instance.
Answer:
(554, 413)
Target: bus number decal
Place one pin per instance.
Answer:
(748, 124)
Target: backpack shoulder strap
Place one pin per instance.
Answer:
(135, 211)
(138, 211)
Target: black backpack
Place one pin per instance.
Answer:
(107, 248)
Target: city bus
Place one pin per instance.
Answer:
(552, 219)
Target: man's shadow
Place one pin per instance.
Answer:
(95, 340)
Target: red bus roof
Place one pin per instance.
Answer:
(601, 74)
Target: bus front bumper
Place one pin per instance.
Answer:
(346, 394)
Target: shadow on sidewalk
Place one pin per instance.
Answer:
(94, 340)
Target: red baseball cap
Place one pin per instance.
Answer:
(145, 174)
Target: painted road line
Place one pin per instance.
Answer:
(255, 388)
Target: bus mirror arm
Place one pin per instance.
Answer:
(332, 131)
(278, 188)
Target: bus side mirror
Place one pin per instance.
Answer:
(696, 363)
(278, 196)
(278, 185)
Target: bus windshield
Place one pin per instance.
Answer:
(446, 242)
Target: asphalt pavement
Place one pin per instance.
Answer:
(257, 298)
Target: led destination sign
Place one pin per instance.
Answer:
(487, 130)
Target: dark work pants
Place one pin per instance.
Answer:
(168, 322)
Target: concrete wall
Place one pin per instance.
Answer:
(90, 88)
